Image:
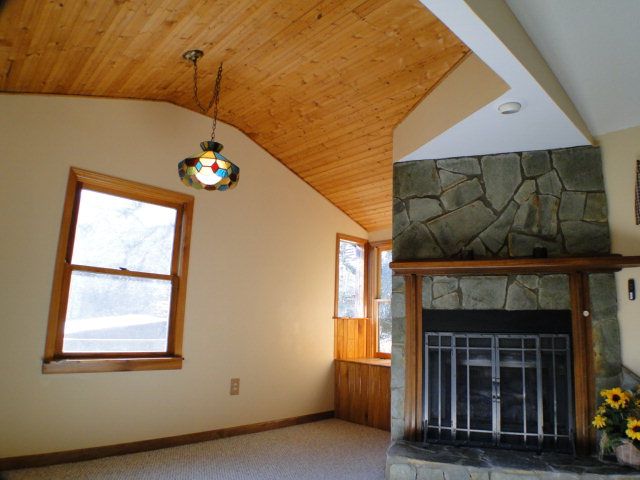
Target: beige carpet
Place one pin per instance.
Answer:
(330, 449)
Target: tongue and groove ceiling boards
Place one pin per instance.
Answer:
(319, 84)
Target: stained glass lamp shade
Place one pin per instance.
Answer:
(209, 169)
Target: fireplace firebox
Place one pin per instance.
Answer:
(498, 378)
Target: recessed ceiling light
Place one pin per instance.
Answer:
(509, 107)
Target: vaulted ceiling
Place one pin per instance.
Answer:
(318, 84)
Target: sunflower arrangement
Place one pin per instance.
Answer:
(618, 417)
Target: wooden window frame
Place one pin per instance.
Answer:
(375, 265)
(55, 361)
(365, 293)
(368, 331)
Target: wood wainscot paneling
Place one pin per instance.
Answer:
(363, 392)
(353, 338)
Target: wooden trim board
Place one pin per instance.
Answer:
(413, 358)
(583, 368)
(87, 365)
(44, 459)
(505, 266)
(376, 362)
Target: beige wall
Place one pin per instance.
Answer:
(261, 312)
(467, 88)
(620, 150)
(380, 235)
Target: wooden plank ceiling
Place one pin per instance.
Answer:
(319, 84)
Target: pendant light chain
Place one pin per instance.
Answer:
(215, 99)
(216, 96)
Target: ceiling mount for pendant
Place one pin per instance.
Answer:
(193, 55)
(208, 169)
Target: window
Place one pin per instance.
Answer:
(120, 278)
(362, 273)
(351, 277)
(381, 304)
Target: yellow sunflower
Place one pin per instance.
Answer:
(601, 409)
(616, 398)
(599, 421)
(633, 428)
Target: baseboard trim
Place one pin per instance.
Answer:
(44, 459)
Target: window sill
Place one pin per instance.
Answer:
(91, 365)
(376, 362)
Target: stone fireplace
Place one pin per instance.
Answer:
(503, 325)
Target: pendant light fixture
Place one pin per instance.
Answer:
(208, 169)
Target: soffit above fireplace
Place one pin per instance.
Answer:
(548, 118)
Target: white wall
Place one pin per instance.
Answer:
(620, 150)
(380, 235)
(260, 287)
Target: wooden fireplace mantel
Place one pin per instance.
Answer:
(577, 268)
(506, 266)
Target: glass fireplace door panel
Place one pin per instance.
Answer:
(459, 388)
(520, 391)
(438, 400)
(557, 401)
(479, 403)
(511, 391)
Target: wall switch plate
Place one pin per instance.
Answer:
(235, 387)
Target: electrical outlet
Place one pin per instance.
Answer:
(235, 387)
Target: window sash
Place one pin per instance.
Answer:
(122, 273)
(378, 352)
(70, 268)
(378, 248)
(113, 199)
(364, 244)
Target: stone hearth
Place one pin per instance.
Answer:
(408, 461)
